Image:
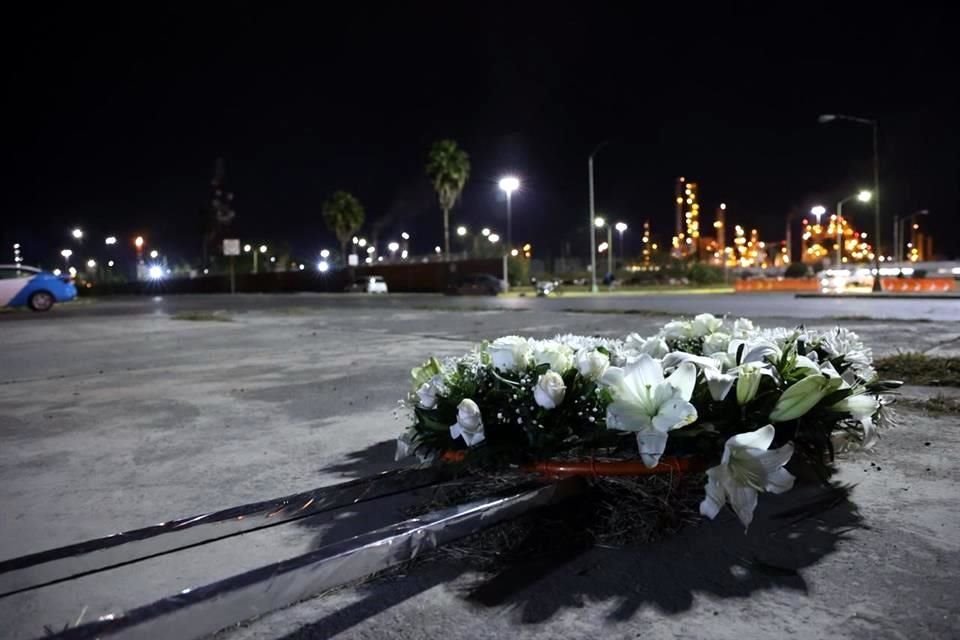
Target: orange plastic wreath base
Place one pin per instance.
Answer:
(592, 467)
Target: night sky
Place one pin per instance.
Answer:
(118, 117)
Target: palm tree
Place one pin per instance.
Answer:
(448, 166)
(343, 214)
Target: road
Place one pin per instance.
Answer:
(115, 414)
(749, 305)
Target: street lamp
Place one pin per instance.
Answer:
(621, 227)
(77, 233)
(325, 253)
(393, 247)
(862, 196)
(110, 240)
(154, 254)
(600, 223)
(898, 235)
(818, 211)
(875, 126)
(485, 232)
(508, 185)
(461, 231)
(66, 253)
(493, 238)
(593, 239)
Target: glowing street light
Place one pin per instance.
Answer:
(325, 253)
(155, 272)
(247, 248)
(405, 235)
(600, 223)
(461, 231)
(323, 266)
(263, 248)
(862, 196)
(77, 233)
(509, 184)
(110, 240)
(621, 227)
(91, 263)
(110, 263)
(362, 242)
(818, 211)
(485, 232)
(514, 252)
(493, 238)
(138, 242)
(66, 253)
(154, 254)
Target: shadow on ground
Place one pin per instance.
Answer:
(790, 533)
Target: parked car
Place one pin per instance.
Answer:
(369, 284)
(28, 286)
(475, 284)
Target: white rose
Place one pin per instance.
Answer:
(509, 352)
(558, 356)
(743, 328)
(716, 343)
(592, 363)
(428, 395)
(550, 390)
(655, 347)
(706, 323)
(469, 423)
(677, 329)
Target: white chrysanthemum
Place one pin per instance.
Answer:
(556, 354)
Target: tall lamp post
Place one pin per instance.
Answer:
(621, 227)
(509, 184)
(600, 223)
(898, 233)
(875, 126)
(862, 196)
(593, 216)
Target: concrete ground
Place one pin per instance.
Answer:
(117, 414)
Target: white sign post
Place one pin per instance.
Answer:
(231, 247)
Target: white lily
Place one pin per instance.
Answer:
(706, 323)
(647, 403)
(655, 347)
(749, 375)
(746, 469)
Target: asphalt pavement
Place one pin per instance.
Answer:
(124, 412)
(765, 305)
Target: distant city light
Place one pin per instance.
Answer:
(393, 246)
(621, 226)
(493, 237)
(155, 272)
(57, 272)
(404, 254)
(371, 251)
(405, 235)
(154, 254)
(263, 248)
(72, 271)
(91, 263)
(325, 253)
(356, 239)
(323, 266)
(16, 245)
(368, 260)
(247, 248)
(437, 250)
(380, 259)
(603, 247)
(110, 240)
(723, 206)
(110, 264)
(302, 266)
(599, 222)
(138, 242)
(273, 258)
(77, 233)
(514, 253)
(362, 242)
(864, 196)
(485, 232)
(461, 231)
(206, 271)
(66, 253)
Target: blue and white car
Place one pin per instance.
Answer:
(28, 286)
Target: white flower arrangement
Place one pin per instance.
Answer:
(732, 388)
